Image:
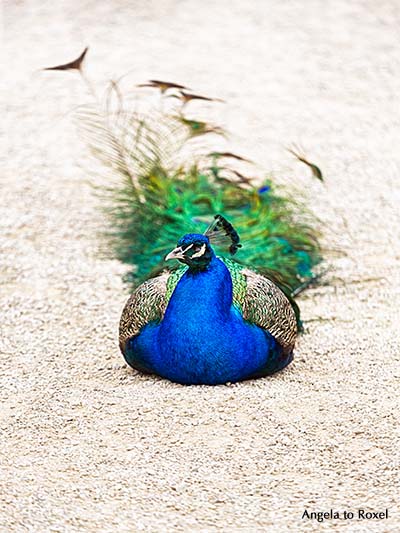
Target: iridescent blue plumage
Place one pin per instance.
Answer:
(203, 337)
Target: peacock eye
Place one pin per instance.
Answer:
(196, 248)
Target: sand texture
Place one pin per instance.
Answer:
(89, 445)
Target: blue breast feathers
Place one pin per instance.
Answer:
(202, 338)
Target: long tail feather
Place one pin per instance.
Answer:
(165, 190)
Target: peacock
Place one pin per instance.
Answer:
(210, 322)
(206, 319)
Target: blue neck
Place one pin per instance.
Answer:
(201, 296)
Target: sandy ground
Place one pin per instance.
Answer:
(88, 445)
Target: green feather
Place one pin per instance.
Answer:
(159, 197)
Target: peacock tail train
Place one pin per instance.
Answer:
(166, 179)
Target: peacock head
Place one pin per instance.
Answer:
(194, 250)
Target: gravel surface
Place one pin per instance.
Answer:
(87, 444)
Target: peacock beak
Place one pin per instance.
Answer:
(177, 253)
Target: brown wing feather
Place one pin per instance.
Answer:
(147, 303)
(265, 305)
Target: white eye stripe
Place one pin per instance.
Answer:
(188, 248)
(200, 252)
